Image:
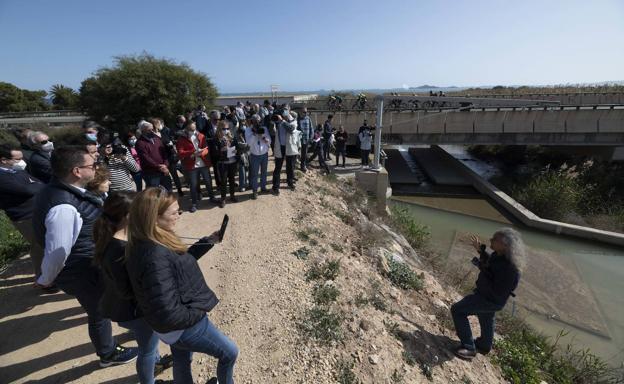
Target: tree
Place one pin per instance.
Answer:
(63, 97)
(14, 99)
(137, 87)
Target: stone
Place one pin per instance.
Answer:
(439, 303)
(366, 325)
(373, 359)
(382, 262)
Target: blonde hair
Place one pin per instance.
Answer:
(143, 221)
(221, 125)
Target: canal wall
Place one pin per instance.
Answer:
(524, 215)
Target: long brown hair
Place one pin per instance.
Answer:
(113, 217)
(102, 174)
(143, 221)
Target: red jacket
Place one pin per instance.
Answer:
(186, 151)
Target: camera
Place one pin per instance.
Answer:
(259, 130)
(118, 148)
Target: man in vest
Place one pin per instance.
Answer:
(63, 217)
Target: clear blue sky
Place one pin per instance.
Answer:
(307, 45)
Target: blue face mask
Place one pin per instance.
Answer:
(91, 136)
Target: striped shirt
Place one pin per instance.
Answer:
(121, 173)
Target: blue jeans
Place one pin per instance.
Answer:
(148, 348)
(242, 176)
(203, 337)
(138, 180)
(194, 180)
(258, 163)
(156, 179)
(475, 304)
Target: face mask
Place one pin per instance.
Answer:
(48, 147)
(190, 133)
(226, 132)
(19, 166)
(91, 136)
(132, 142)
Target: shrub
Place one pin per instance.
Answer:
(416, 234)
(323, 325)
(344, 372)
(402, 276)
(327, 270)
(550, 195)
(325, 294)
(12, 244)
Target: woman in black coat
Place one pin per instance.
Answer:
(170, 288)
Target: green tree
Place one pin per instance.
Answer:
(14, 99)
(140, 86)
(64, 97)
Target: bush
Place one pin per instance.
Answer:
(12, 244)
(416, 234)
(528, 357)
(327, 270)
(402, 275)
(550, 195)
(323, 325)
(325, 294)
(344, 372)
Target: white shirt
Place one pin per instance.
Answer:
(257, 146)
(199, 163)
(63, 224)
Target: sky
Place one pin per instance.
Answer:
(246, 46)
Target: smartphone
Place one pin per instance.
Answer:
(224, 224)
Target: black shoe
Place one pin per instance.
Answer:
(212, 381)
(254, 195)
(160, 381)
(465, 353)
(222, 204)
(180, 193)
(264, 191)
(292, 187)
(276, 192)
(214, 200)
(121, 355)
(161, 365)
(233, 199)
(50, 290)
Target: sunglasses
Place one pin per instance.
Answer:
(92, 166)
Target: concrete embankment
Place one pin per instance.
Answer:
(524, 215)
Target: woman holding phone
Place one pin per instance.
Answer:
(170, 288)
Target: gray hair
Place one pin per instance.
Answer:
(142, 124)
(215, 113)
(256, 118)
(33, 135)
(515, 250)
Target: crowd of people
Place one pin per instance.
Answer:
(100, 216)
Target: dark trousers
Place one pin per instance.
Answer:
(25, 227)
(227, 174)
(173, 171)
(157, 179)
(138, 180)
(475, 304)
(195, 187)
(87, 286)
(304, 156)
(318, 151)
(215, 170)
(326, 146)
(365, 154)
(341, 150)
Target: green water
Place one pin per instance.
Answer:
(601, 267)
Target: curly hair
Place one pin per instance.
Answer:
(515, 250)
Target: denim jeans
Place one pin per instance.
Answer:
(147, 341)
(87, 286)
(258, 164)
(156, 179)
(365, 154)
(138, 180)
(194, 180)
(341, 150)
(206, 338)
(318, 151)
(475, 304)
(242, 176)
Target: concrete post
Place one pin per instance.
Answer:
(377, 159)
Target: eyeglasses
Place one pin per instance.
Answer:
(92, 166)
(44, 142)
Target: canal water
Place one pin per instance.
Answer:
(599, 266)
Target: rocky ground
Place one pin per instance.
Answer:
(375, 332)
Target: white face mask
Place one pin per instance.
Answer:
(48, 147)
(132, 142)
(19, 166)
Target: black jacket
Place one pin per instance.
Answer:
(17, 192)
(497, 279)
(40, 167)
(117, 302)
(169, 288)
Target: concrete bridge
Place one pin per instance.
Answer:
(41, 119)
(576, 125)
(579, 98)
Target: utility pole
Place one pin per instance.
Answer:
(377, 159)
